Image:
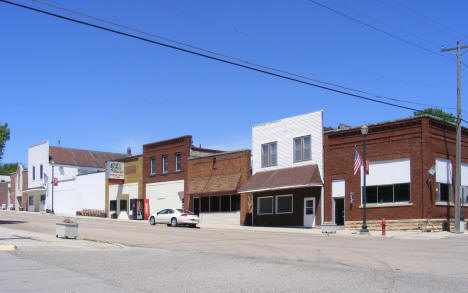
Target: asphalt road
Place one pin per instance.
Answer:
(136, 257)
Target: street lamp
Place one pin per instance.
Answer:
(364, 230)
(53, 183)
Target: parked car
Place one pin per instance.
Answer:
(174, 217)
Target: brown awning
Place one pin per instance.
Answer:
(294, 177)
(214, 185)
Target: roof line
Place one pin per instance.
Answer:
(221, 154)
(59, 147)
(167, 140)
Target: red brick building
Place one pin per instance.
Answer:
(399, 186)
(212, 187)
(165, 171)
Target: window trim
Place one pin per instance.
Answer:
(301, 138)
(152, 164)
(393, 195)
(450, 199)
(258, 205)
(292, 203)
(268, 163)
(178, 155)
(165, 170)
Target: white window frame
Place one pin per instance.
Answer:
(165, 164)
(301, 138)
(258, 205)
(34, 173)
(179, 156)
(292, 204)
(41, 171)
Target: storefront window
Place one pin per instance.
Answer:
(265, 205)
(113, 205)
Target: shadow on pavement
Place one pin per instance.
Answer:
(9, 222)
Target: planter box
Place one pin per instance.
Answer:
(66, 230)
(329, 228)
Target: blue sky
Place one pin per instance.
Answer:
(96, 90)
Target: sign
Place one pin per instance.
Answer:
(55, 181)
(115, 170)
(367, 167)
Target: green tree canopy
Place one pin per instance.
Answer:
(4, 136)
(7, 169)
(437, 113)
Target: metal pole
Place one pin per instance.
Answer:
(364, 197)
(53, 183)
(458, 155)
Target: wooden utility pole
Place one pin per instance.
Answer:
(458, 151)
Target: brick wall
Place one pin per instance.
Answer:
(25, 195)
(421, 139)
(13, 188)
(237, 162)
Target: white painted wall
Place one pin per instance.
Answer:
(79, 193)
(221, 218)
(115, 193)
(338, 188)
(283, 132)
(38, 154)
(164, 195)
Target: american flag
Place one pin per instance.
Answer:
(357, 161)
(46, 178)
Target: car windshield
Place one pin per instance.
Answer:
(185, 212)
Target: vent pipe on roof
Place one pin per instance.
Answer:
(129, 151)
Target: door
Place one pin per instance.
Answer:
(339, 211)
(42, 203)
(309, 212)
(31, 203)
(196, 205)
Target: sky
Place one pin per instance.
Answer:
(93, 89)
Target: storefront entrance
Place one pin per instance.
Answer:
(309, 212)
(339, 211)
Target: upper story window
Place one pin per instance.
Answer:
(178, 158)
(152, 166)
(269, 154)
(165, 164)
(34, 173)
(41, 172)
(302, 150)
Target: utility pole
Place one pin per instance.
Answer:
(458, 151)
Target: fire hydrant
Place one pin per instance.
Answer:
(383, 224)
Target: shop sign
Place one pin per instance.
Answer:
(115, 170)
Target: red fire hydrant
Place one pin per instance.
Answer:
(383, 223)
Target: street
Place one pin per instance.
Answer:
(125, 256)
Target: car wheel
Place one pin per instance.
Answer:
(193, 226)
(152, 221)
(173, 222)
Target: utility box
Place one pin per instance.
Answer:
(66, 230)
(462, 225)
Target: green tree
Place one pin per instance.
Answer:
(4, 136)
(437, 113)
(7, 169)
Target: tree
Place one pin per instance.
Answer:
(437, 113)
(4, 137)
(7, 169)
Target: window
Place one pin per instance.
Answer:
(178, 166)
(34, 173)
(31, 200)
(444, 192)
(41, 171)
(214, 203)
(265, 205)
(225, 203)
(269, 154)
(284, 204)
(113, 205)
(204, 204)
(235, 202)
(164, 164)
(302, 149)
(390, 193)
(152, 166)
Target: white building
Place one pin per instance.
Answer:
(79, 179)
(287, 164)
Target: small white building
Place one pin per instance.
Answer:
(287, 165)
(64, 180)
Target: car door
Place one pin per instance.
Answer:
(160, 216)
(169, 215)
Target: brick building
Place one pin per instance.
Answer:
(165, 171)
(399, 186)
(212, 187)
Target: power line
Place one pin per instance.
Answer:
(208, 56)
(238, 59)
(380, 30)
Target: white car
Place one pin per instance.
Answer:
(174, 217)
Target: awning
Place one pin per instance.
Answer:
(214, 185)
(35, 190)
(285, 178)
